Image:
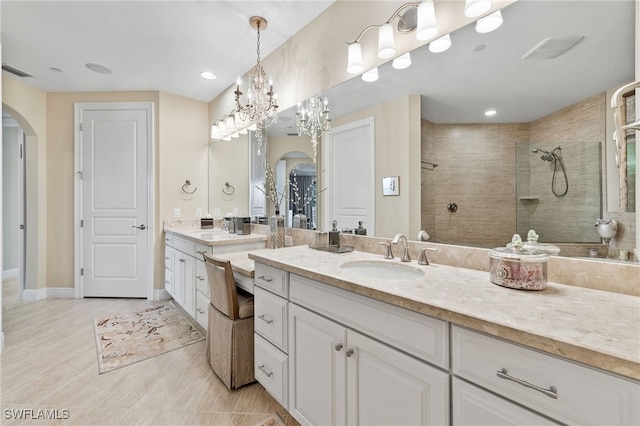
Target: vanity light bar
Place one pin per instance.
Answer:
(426, 28)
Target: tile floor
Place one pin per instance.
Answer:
(49, 362)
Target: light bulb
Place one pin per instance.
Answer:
(475, 8)
(489, 23)
(440, 44)
(386, 43)
(371, 75)
(427, 26)
(402, 62)
(354, 63)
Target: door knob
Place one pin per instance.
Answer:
(141, 227)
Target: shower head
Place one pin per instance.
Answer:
(546, 156)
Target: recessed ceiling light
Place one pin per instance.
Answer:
(208, 75)
(54, 69)
(490, 112)
(98, 68)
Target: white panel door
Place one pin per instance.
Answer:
(317, 386)
(350, 167)
(114, 202)
(388, 387)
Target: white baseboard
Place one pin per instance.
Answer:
(161, 294)
(29, 295)
(9, 273)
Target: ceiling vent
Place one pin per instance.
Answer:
(15, 71)
(552, 47)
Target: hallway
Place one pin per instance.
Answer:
(49, 363)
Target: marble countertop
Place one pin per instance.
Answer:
(214, 237)
(240, 261)
(594, 327)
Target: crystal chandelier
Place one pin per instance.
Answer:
(313, 120)
(260, 108)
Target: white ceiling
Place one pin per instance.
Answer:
(482, 71)
(163, 45)
(148, 45)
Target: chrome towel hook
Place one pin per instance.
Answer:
(228, 189)
(187, 183)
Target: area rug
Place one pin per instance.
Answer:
(272, 420)
(125, 339)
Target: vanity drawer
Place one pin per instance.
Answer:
(168, 281)
(202, 283)
(270, 317)
(202, 309)
(272, 279)
(565, 391)
(271, 369)
(472, 405)
(424, 337)
(168, 258)
(184, 245)
(168, 239)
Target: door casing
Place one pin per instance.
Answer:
(79, 108)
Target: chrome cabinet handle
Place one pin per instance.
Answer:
(265, 319)
(168, 258)
(182, 260)
(265, 371)
(198, 277)
(141, 227)
(200, 251)
(265, 279)
(552, 392)
(349, 352)
(200, 311)
(339, 347)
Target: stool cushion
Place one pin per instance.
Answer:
(245, 304)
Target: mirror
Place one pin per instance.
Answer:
(486, 70)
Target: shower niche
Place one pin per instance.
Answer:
(559, 190)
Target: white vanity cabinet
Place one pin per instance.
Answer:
(349, 359)
(185, 278)
(566, 392)
(340, 376)
(271, 304)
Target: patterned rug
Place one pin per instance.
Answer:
(273, 420)
(123, 340)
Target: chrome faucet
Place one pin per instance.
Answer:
(405, 247)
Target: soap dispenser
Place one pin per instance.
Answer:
(334, 235)
(360, 230)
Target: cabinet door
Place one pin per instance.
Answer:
(168, 281)
(189, 298)
(179, 276)
(472, 405)
(317, 362)
(388, 387)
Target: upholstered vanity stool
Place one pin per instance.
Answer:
(230, 331)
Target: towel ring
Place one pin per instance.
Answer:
(228, 187)
(186, 184)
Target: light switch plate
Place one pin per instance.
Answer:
(288, 240)
(176, 212)
(198, 212)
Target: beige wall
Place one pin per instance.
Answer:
(29, 107)
(180, 153)
(397, 153)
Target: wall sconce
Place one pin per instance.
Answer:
(418, 16)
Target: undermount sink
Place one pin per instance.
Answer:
(385, 270)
